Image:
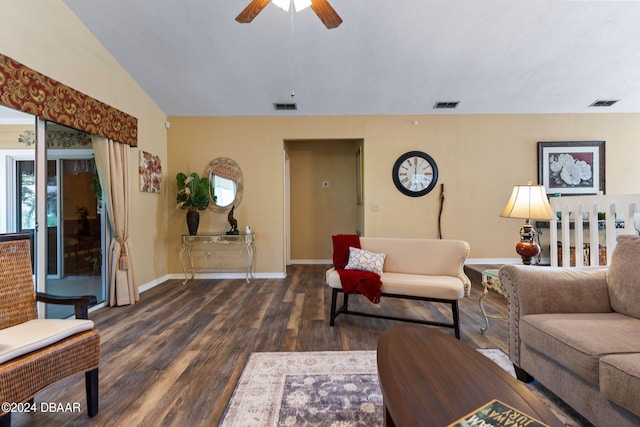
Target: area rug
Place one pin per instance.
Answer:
(330, 388)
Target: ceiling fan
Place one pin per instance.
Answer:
(322, 8)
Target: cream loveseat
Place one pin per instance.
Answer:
(422, 269)
(577, 331)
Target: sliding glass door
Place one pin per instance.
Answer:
(51, 190)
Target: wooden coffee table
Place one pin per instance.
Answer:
(432, 379)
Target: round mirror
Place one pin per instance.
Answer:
(226, 181)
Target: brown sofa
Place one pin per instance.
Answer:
(577, 331)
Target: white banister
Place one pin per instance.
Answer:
(620, 211)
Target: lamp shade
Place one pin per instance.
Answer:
(528, 202)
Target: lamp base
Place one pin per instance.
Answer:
(527, 247)
(527, 250)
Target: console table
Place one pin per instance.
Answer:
(217, 252)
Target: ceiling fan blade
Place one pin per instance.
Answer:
(251, 11)
(326, 13)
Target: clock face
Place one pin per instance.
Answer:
(415, 173)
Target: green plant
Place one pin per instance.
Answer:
(94, 261)
(194, 193)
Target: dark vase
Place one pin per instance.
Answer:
(193, 220)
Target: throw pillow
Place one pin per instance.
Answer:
(623, 278)
(360, 259)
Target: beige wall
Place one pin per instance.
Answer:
(480, 158)
(47, 37)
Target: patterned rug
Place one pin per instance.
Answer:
(330, 388)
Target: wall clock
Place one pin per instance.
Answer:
(415, 173)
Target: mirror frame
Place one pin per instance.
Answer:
(229, 169)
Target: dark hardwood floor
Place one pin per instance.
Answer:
(175, 357)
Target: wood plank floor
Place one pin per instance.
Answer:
(175, 357)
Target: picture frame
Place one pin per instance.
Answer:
(572, 167)
(150, 171)
(359, 176)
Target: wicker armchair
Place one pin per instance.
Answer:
(35, 353)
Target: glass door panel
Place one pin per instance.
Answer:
(75, 228)
(26, 206)
(52, 219)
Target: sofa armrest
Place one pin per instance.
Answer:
(556, 289)
(539, 290)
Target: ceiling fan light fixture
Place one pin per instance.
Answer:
(286, 4)
(301, 4)
(282, 4)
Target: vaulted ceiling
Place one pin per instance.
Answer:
(387, 57)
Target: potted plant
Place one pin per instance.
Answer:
(194, 194)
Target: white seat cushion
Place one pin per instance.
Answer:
(445, 287)
(36, 334)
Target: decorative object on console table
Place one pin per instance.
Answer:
(193, 194)
(232, 222)
(193, 221)
(572, 168)
(528, 202)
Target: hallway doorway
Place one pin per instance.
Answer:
(323, 192)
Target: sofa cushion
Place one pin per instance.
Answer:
(360, 259)
(36, 334)
(578, 340)
(445, 287)
(624, 276)
(620, 380)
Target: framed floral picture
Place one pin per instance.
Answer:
(150, 171)
(572, 168)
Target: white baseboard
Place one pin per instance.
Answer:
(311, 261)
(152, 284)
(281, 275)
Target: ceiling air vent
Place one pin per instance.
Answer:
(604, 103)
(285, 106)
(446, 104)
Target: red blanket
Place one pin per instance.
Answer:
(366, 283)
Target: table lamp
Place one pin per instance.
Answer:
(528, 202)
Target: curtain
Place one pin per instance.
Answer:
(112, 164)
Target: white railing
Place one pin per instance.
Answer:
(616, 214)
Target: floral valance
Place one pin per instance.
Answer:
(27, 90)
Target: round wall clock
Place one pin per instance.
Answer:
(415, 173)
